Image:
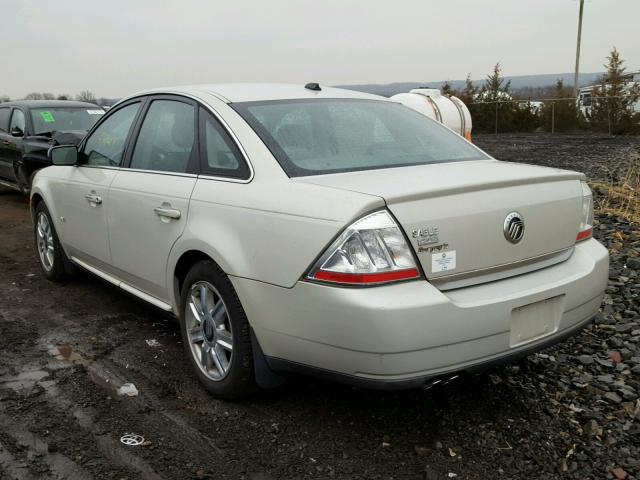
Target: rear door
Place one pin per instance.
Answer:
(149, 200)
(12, 146)
(81, 192)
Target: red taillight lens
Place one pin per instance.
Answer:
(371, 251)
(584, 234)
(366, 278)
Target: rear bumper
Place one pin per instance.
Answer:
(401, 335)
(281, 365)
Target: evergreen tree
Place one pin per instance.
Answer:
(489, 104)
(612, 109)
(563, 111)
(468, 93)
(446, 89)
(495, 87)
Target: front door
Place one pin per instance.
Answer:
(6, 167)
(83, 191)
(149, 201)
(11, 146)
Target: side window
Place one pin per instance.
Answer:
(4, 119)
(106, 144)
(220, 155)
(17, 120)
(166, 137)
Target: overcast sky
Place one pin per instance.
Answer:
(116, 47)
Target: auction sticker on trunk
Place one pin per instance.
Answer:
(443, 261)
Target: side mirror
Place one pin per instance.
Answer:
(63, 155)
(17, 132)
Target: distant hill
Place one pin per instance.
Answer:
(517, 82)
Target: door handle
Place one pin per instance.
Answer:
(6, 142)
(93, 198)
(167, 212)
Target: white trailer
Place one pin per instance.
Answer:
(450, 111)
(586, 94)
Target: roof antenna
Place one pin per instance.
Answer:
(313, 86)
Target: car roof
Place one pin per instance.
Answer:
(48, 104)
(254, 92)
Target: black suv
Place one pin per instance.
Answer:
(28, 128)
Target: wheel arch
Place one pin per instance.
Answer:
(265, 377)
(36, 199)
(186, 261)
(183, 256)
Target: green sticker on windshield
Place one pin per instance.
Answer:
(47, 117)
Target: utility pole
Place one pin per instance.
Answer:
(575, 75)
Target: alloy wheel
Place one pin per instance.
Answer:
(209, 330)
(44, 241)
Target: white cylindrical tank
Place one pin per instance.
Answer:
(450, 111)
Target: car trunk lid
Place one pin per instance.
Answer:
(454, 215)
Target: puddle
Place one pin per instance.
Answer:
(99, 374)
(65, 353)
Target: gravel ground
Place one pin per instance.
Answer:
(569, 412)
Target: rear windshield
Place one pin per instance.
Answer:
(47, 120)
(313, 137)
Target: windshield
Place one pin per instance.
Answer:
(64, 119)
(312, 137)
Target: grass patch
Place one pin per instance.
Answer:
(621, 199)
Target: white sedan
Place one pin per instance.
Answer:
(298, 228)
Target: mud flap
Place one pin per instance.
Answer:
(265, 377)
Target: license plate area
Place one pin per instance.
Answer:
(535, 320)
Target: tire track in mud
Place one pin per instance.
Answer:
(58, 464)
(10, 468)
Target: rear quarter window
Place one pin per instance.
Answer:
(219, 154)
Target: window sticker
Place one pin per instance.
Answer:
(443, 261)
(47, 117)
(95, 112)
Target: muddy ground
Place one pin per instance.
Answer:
(570, 412)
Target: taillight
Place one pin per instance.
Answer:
(371, 251)
(586, 223)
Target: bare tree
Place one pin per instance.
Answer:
(48, 96)
(33, 96)
(86, 96)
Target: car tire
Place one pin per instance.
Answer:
(53, 261)
(216, 333)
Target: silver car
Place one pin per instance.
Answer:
(307, 229)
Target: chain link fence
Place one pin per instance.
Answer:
(549, 114)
